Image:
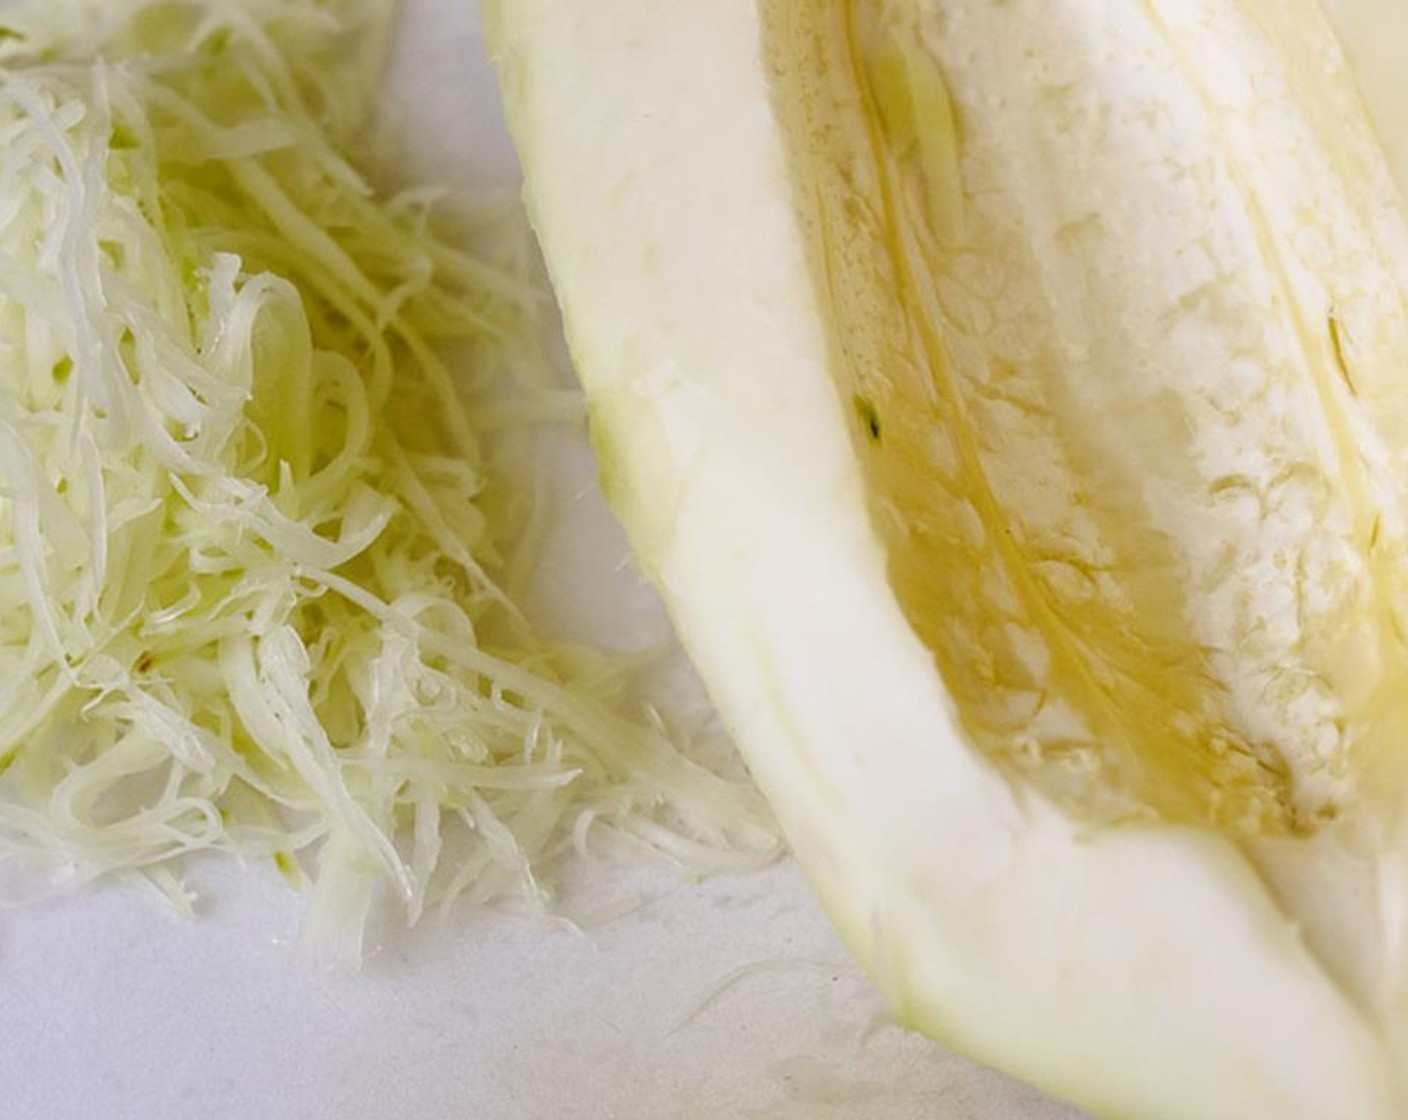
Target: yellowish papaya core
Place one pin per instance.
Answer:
(1028, 543)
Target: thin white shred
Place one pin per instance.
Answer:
(247, 529)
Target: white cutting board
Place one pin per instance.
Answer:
(706, 1002)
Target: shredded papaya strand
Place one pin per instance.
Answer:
(284, 656)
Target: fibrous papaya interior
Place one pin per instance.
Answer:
(1120, 328)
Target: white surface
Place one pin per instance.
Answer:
(112, 1009)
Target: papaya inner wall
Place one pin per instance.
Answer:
(1125, 384)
